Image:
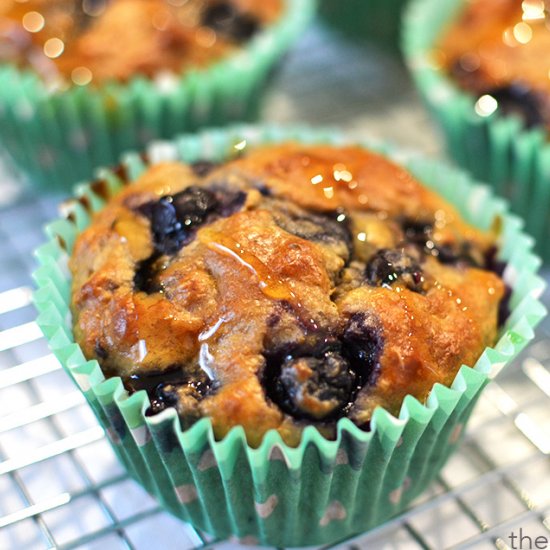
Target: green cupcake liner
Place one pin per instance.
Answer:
(497, 148)
(322, 491)
(376, 21)
(58, 138)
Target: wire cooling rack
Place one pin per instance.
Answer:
(61, 485)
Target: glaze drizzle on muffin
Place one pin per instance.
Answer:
(295, 285)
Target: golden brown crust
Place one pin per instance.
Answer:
(274, 287)
(122, 38)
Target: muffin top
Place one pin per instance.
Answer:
(94, 41)
(291, 286)
(500, 49)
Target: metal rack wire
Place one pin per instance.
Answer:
(60, 483)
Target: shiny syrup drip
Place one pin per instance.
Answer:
(329, 180)
(268, 282)
(332, 180)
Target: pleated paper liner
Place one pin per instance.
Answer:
(58, 138)
(497, 148)
(374, 21)
(321, 491)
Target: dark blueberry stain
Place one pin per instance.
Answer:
(176, 218)
(231, 203)
(389, 266)
(417, 232)
(520, 100)
(363, 344)
(149, 380)
(145, 275)
(460, 254)
(497, 266)
(331, 228)
(420, 234)
(264, 190)
(166, 394)
(316, 387)
(320, 381)
(273, 320)
(227, 20)
(202, 168)
(177, 387)
(100, 351)
(167, 389)
(193, 205)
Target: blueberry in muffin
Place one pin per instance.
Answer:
(294, 285)
(95, 41)
(498, 50)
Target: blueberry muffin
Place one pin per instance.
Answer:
(292, 286)
(83, 41)
(499, 50)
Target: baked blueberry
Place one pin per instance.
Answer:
(463, 254)
(388, 267)
(362, 344)
(329, 228)
(317, 388)
(226, 19)
(145, 275)
(193, 205)
(175, 218)
(168, 232)
(165, 395)
(417, 232)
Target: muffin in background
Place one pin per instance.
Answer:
(499, 51)
(320, 490)
(482, 69)
(69, 42)
(85, 81)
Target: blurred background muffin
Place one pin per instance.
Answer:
(482, 68)
(84, 80)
